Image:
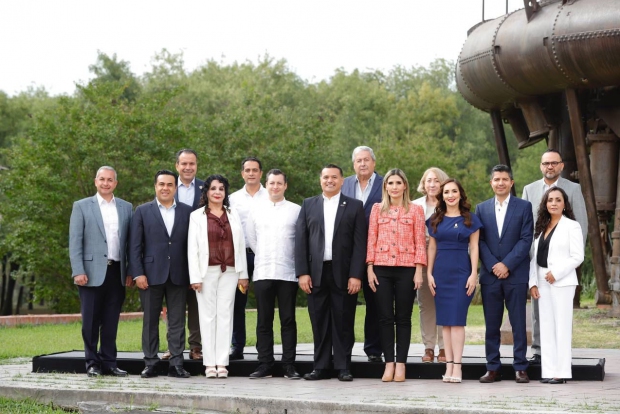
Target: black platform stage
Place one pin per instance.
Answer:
(584, 369)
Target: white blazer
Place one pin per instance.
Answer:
(566, 252)
(198, 245)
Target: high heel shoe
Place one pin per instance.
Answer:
(211, 372)
(557, 381)
(446, 378)
(545, 380)
(222, 372)
(400, 377)
(457, 379)
(388, 374)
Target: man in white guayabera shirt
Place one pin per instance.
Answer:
(270, 230)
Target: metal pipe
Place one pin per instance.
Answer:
(500, 141)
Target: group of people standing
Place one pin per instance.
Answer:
(197, 246)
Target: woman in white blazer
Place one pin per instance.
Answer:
(558, 251)
(217, 265)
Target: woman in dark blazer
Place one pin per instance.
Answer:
(558, 251)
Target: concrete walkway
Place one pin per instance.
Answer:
(279, 395)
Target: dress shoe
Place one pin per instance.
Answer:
(195, 353)
(491, 376)
(375, 358)
(93, 372)
(545, 380)
(178, 372)
(521, 377)
(318, 374)
(345, 375)
(534, 360)
(429, 356)
(557, 381)
(166, 355)
(291, 373)
(116, 372)
(441, 357)
(263, 371)
(149, 372)
(235, 356)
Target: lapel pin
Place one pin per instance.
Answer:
(456, 225)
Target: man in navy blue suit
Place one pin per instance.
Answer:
(366, 186)
(505, 242)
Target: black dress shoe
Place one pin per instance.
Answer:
(345, 375)
(521, 377)
(291, 373)
(534, 360)
(93, 372)
(318, 374)
(235, 356)
(149, 372)
(116, 372)
(557, 381)
(375, 358)
(490, 376)
(178, 372)
(263, 371)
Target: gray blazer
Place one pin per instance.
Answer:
(88, 250)
(533, 193)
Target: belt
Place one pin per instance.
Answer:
(112, 262)
(248, 250)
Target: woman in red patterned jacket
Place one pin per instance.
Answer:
(396, 255)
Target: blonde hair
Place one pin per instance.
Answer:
(439, 173)
(386, 200)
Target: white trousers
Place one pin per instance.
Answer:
(555, 308)
(216, 302)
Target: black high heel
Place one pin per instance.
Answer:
(557, 381)
(545, 380)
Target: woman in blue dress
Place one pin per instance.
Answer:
(453, 269)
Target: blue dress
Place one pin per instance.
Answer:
(452, 268)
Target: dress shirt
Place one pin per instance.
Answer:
(109, 214)
(186, 192)
(500, 213)
(363, 194)
(167, 214)
(330, 208)
(243, 203)
(270, 229)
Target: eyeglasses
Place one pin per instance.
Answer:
(551, 163)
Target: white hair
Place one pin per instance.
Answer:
(363, 148)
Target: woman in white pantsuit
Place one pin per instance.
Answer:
(217, 265)
(558, 251)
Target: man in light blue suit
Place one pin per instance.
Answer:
(98, 233)
(366, 185)
(505, 241)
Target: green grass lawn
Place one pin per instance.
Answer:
(591, 329)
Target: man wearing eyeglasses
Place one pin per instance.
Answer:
(551, 166)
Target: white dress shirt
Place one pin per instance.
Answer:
(363, 194)
(186, 193)
(500, 213)
(243, 202)
(109, 214)
(270, 230)
(167, 214)
(330, 208)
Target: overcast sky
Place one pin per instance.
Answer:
(51, 43)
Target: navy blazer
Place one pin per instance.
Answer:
(512, 249)
(198, 184)
(348, 244)
(348, 189)
(155, 254)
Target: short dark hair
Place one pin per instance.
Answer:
(188, 150)
(246, 159)
(275, 171)
(166, 172)
(332, 166)
(501, 168)
(204, 199)
(556, 151)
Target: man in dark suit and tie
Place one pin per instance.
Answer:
(98, 234)
(505, 242)
(158, 258)
(189, 189)
(330, 254)
(366, 185)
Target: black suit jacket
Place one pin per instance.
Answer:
(348, 244)
(155, 254)
(197, 193)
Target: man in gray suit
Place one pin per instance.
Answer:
(551, 166)
(98, 233)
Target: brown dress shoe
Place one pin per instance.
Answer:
(166, 356)
(441, 357)
(195, 353)
(490, 376)
(429, 355)
(521, 377)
